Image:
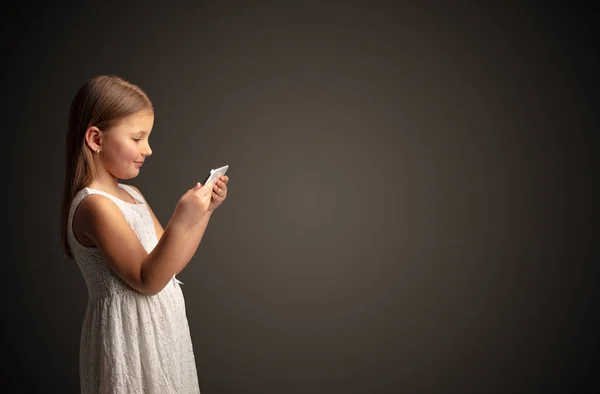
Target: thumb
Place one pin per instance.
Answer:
(193, 189)
(201, 189)
(208, 186)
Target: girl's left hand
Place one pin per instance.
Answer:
(219, 193)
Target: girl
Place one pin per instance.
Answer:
(135, 336)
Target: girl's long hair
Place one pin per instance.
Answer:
(102, 101)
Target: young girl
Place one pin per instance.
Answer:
(135, 336)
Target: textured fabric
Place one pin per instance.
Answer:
(131, 342)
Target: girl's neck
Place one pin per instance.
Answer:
(106, 183)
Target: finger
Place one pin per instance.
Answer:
(218, 191)
(205, 189)
(225, 179)
(190, 191)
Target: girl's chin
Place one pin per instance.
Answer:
(129, 174)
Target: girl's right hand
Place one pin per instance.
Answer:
(193, 205)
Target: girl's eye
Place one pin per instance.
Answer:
(137, 139)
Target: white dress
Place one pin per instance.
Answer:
(131, 342)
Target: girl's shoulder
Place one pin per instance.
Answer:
(134, 192)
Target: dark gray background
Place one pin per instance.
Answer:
(410, 204)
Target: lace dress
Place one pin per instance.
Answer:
(131, 342)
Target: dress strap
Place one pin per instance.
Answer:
(137, 196)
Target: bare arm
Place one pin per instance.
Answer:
(196, 233)
(103, 223)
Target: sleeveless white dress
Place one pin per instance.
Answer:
(131, 342)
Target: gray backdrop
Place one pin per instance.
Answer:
(410, 199)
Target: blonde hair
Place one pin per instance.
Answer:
(101, 101)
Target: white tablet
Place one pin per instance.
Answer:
(215, 174)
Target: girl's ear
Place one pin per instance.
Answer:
(93, 139)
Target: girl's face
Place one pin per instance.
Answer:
(126, 146)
